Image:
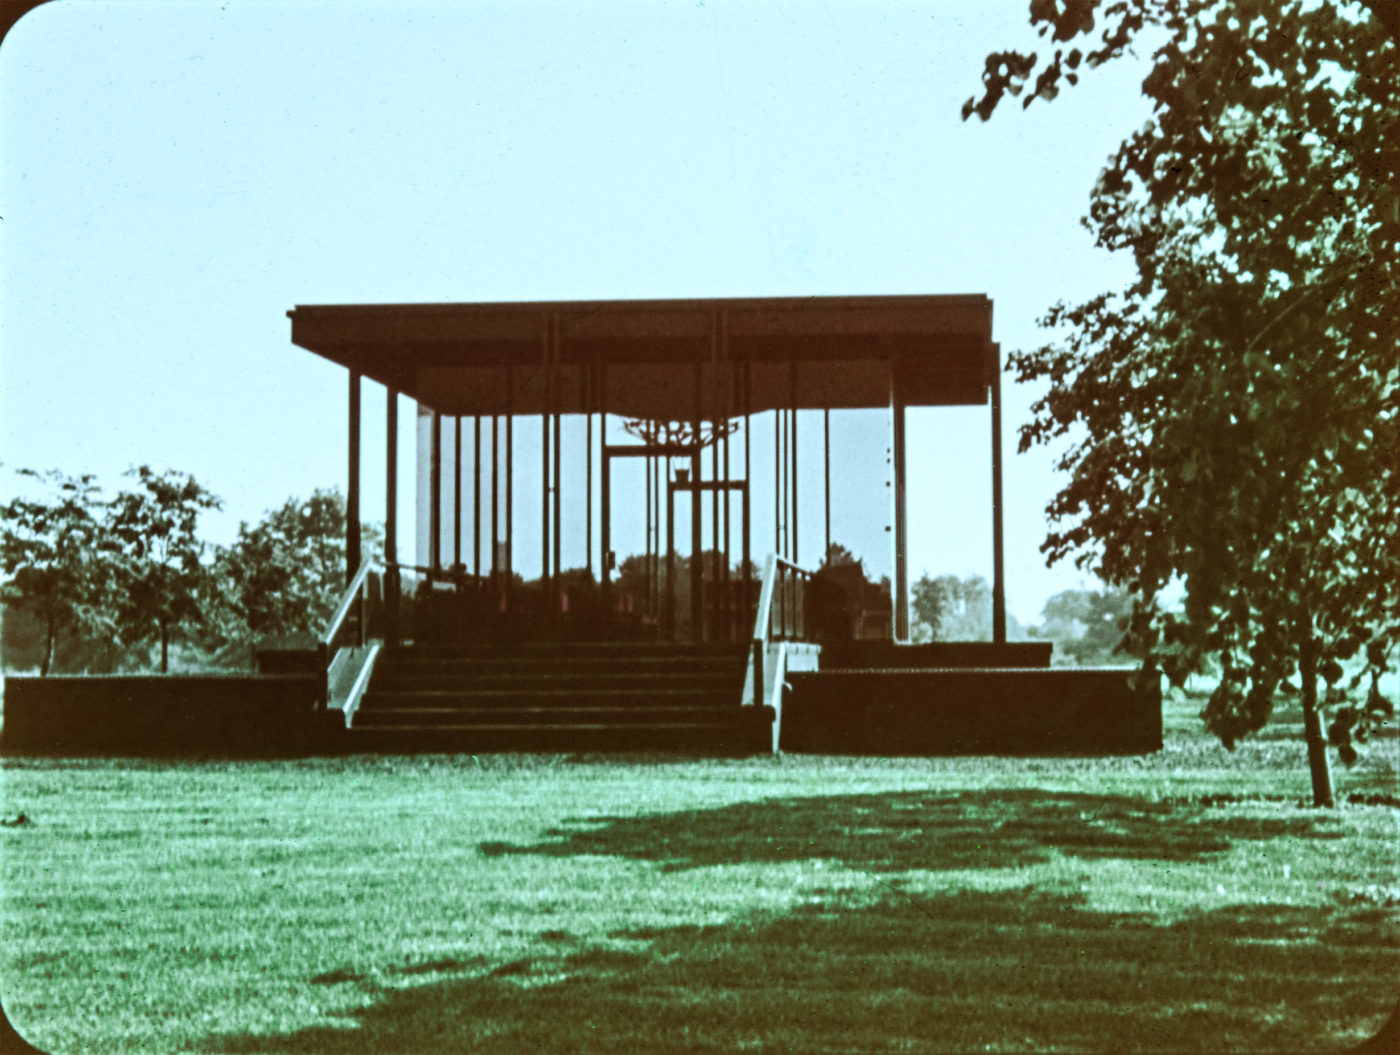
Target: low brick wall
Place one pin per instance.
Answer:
(946, 712)
(153, 715)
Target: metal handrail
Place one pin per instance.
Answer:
(353, 593)
(789, 581)
(353, 599)
(783, 577)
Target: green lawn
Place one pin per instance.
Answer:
(1180, 901)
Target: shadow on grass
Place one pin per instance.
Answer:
(927, 830)
(1009, 970)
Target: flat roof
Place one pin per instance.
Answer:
(490, 358)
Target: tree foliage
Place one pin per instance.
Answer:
(93, 583)
(1232, 418)
(843, 601)
(163, 577)
(59, 568)
(1087, 626)
(283, 575)
(947, 608)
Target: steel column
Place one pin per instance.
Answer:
(826, 485)
(651, 509)
(748, 483)
(476, 493)
(457, 492)
(697, 603)
(391, 517)
(901, 510)
(669, 620)
(391, 479)
(495, 493)
(510, 486)
(558, 499)
(796, 519)
(654, 597)
(544, 461)
(435, 494)
(586, 382)
(998, 554)
(779, 482)
(352, 496)
(604, 493)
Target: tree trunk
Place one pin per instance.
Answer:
(1318, 767)
(165, 652)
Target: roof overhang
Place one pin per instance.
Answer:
(812, 352)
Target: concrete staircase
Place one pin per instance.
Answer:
(549, 697)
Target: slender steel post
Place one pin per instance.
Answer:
(669, 616)
(510, 486)
(544, 501)
(747, 544)
(495, 494)
(654, 597)
(697, 586)
(435, 495)
(352, 495)
(391, 517)
(558, 499)
(586, 382)
(457, 491)
(724, 574)
(998, 539)
(826, 486)
(476, 494)
(779, 490)
(554, 400)
(604, 496)
(744, 553)
(544, 465)
(650, 515)
(717, 575)
(901, 510)
(796, 518)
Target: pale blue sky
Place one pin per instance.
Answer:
(175, 176)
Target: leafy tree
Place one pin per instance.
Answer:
(947, 608)
(1233, 415)
(1087, 626)
(58, 567)
(283, 576)
(845, 601)
(162, 576)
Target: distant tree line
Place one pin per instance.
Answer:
(1086, 625)
(99, 584)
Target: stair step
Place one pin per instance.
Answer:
(548, 696)
(730, 738)
(621, 717)
(608, 651)
(526, 696)
(562, 662)
(405, 681)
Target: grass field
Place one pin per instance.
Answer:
(1182, 901)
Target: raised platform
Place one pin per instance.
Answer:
(972, 711)
(935, 655)
(868, 698)
(165, 714)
